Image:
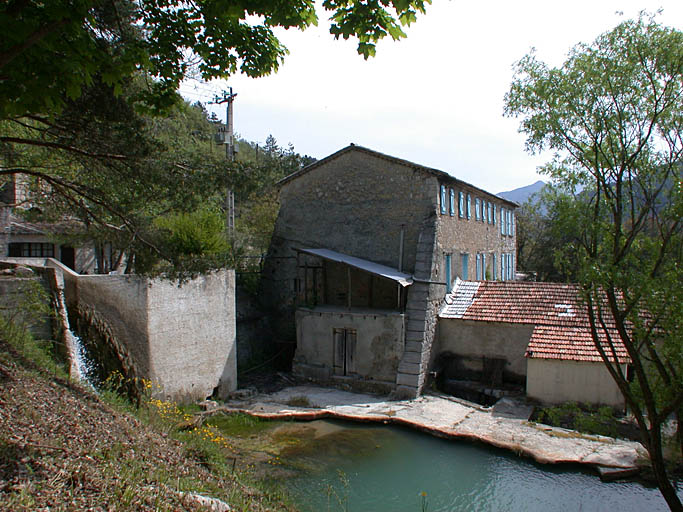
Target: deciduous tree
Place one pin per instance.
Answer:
(613, 115)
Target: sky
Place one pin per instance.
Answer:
(435, 98)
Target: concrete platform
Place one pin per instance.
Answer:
(506, 426)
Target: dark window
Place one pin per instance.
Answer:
(30, 249)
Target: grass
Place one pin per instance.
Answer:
(64, 448)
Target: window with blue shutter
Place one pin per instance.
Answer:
(452, 211)
(465, 263)
(512, 267)
(448, 273)
(443, 199)
(483, 267)
(512, 223)
(478, 268)
(493, 266)
(469, 206)
(502, 221)
(461, 204)
(494, 214)
(476, 208)
(488, 211)
(508, 215)
(503, 276)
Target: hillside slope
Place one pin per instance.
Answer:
(62, 448)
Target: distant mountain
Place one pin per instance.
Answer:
(520, 195)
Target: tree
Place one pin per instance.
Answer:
(613, 115)
(80, 81)
(52, 51)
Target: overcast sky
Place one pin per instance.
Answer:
(434, 98)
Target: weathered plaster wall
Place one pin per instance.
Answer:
(379, 342)
(553, 382)
(474, 340)
(180, 338)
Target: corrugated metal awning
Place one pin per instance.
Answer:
(368, 266)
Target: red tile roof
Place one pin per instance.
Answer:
(562, 329)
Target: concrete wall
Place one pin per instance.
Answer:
(554, 382)
(180, 338)
(379, 343)
(474, 340)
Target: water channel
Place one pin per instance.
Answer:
(339, 466)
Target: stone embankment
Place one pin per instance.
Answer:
(505, 425)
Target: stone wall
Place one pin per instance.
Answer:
(457, 235)
(474, 340)
(555, 382)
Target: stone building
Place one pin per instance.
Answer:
(364, 250)
(22, 239)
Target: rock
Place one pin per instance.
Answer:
(208, 405)
(213, 504)
(22, 271)
(610, 474)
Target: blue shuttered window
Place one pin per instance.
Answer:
(452, 205)
(493, 266)
(494, 214)
(443, 199)
(488, 212)
(461, 204)
(476, 208)
(503, 275)
(483, 267)
(465, 264)
(512, 224)
(478, 268)
(469, 206)
(503, 222)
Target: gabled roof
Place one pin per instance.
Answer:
(366, 265)
(430, 170)
(560, 319)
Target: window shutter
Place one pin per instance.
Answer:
(512, 223)
(465, 264)
(443, 199)
(502, 263)
(494, 214)
(493, 266)
(502, 221)
(476, 208)
(461, 204)
(483, 267)
(478, 268)
(469, 206)
(452, 205)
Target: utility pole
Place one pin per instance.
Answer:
(226, 136)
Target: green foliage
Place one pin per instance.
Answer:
(194, 234)
(613, 115)
(589, 420)
(54, 50)
(32, 306)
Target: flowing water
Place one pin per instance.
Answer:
(339, 466)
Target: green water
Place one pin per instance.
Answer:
(339, 466)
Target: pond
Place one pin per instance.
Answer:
(339, 466)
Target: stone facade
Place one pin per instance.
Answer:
(385, 210)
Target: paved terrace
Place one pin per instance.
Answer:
(505, 425)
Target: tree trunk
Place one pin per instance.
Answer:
(659, 468)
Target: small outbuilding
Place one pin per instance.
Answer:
(536, 332)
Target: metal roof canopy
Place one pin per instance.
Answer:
(368, 266)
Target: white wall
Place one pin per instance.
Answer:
(553, 381)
